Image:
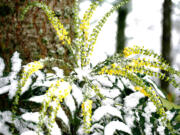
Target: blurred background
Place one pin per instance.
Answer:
(154, 24)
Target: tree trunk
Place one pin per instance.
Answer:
(121, 39)
(33, 37)
(166, 38)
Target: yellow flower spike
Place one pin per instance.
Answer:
(140, 89)
(87, 113)
(113, 65)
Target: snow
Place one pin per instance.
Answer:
(132, 100)
(81, 73)
(161, 129)
(13, 89)
(29, 133)
(114, 125)
(109, 92)
(170, 115)
(103, 80)
(12, 77)
(157, 90)
(150, 107)
(37, 99)
(16, 62)
(61, 114)
(27, 85)
(148, 128)
(107, 101)
(69, 101)
(5, 117)
(59, 72)
(77, 93)
(34, 117)
(4, 81)
(104, 110)
(2, 67)
(4, 89)
(55, 130)
(4, 129)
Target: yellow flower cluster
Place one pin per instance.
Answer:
(141, 90)
(27, 72)
(132, 50)
(32, 67)
(127, 52)
(55, 94)
(87, 113)
(84, 27)
(58, 26)
(113, 70)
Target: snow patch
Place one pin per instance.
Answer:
(103, 110)
(114, 125)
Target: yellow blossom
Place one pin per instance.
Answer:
(87, 112)
(141, 90)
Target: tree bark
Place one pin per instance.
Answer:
(166, 38)
(121, 39)
(34, 37)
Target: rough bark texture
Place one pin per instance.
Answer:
(33, 37)
(166, 37)
(121, 39)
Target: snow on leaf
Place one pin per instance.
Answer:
(77, 93)
(103, 110)
(2, 66)
(61, 114)
(4, 81)
(159, 92)
(16, 62)
(34, 117)
(116, 125)
(59, 72)
(37, 99)
(4, 89)
(13, 89)
(70, 103)
(132, 100)
(29, 133)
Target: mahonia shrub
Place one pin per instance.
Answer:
(115, 96)
(113, 104)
